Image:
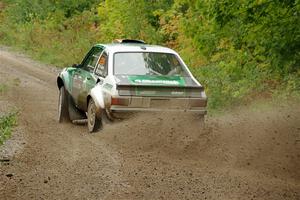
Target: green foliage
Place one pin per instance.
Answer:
(7, 122)
(24, 11)
(128, 19)
(250, 47)
(3, 88)
(238, 49)
(56, 40)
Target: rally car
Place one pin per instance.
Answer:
(127, 76)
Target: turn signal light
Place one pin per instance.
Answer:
(119, 101)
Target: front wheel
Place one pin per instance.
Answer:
(94, 121)
(63, 107)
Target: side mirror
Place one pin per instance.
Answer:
(76, 65)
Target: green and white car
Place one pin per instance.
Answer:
(127, 76)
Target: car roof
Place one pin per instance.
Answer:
(135, 47)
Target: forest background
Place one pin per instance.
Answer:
(240, 50)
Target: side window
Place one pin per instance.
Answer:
(89, 63)
(102, 65)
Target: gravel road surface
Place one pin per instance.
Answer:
(249, 153)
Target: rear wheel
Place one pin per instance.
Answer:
(63, 111)
(94, 121)
(107, 117)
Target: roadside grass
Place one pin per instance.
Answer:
(3, 88)
(7, 122)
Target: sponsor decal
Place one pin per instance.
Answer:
(157, 80)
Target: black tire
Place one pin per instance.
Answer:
(63, 107)
(94, 120)
(107, 118)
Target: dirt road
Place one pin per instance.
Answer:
(250, 153)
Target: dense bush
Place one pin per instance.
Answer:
(239, 49)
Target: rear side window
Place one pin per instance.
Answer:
(89, 63)
(101, 69)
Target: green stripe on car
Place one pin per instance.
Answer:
(157, 80)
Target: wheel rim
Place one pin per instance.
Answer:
(91, 115)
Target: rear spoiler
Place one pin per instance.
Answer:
(122, 86)
(122, 41)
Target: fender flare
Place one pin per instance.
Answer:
(97, 95)
(63, 78)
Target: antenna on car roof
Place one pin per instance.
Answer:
(128, 41)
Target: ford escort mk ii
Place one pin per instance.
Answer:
(127, 76)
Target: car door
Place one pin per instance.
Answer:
(84, 77)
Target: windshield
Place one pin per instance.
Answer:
(148, 63)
